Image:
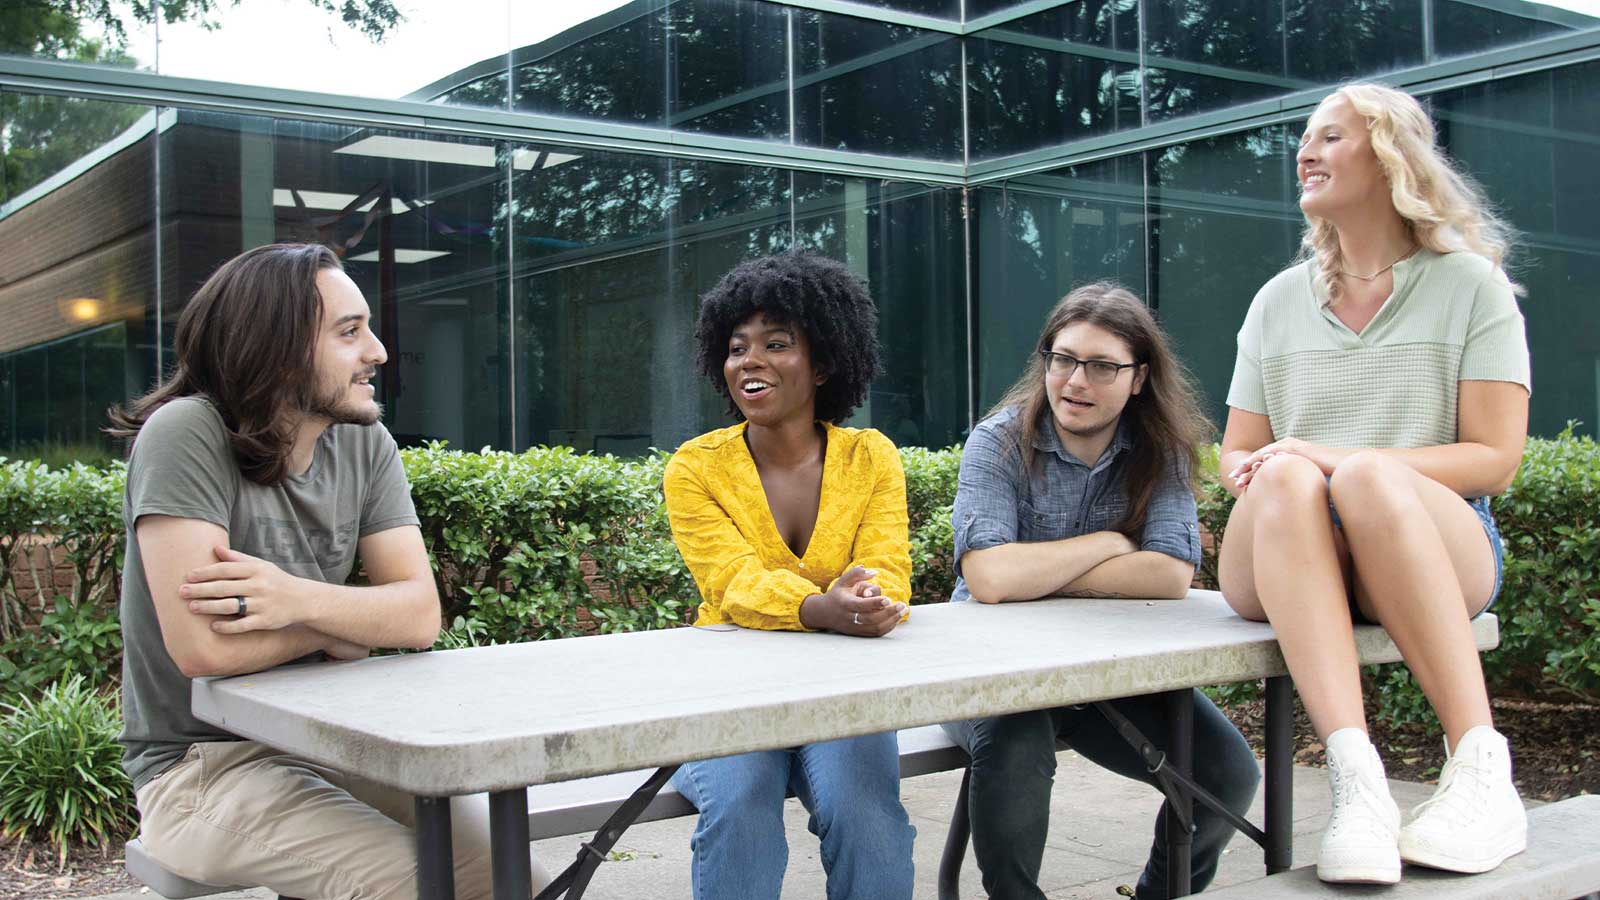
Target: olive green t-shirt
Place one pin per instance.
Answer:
(1452, 317)
(308, 526)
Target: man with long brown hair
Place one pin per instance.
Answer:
(1077, 484)
(259, 471)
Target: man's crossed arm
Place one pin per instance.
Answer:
(195, 580)
(1100, 564)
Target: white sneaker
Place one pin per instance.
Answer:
(1475, 819)
(1359, 845)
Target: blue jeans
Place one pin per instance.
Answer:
(851, 787)
(1014, 766)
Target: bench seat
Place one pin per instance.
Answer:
(1562, 862)
(581, 806)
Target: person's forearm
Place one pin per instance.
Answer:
(252, 651)
(1469, 469)
(1028, 571)
(398, 614)
(1144, 575)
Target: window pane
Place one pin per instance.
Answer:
(1533, 142)
(77, 268)
(732, 71)
(1462, 26)
(1332, 42)
(906, 241)
(1038, 238)
(418, 220)
(618, 74)
(1225, 219)
(944, 9)
(876, 88)
(1053, 77)
(618, 249)
(1209, 55)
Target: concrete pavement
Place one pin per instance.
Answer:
(1100, 832)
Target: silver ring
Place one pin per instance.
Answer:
(241, 610)
(857, 618)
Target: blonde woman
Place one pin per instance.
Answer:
(1379, 398)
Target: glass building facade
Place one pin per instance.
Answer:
(533, 229)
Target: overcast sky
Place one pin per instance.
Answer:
(292, 44)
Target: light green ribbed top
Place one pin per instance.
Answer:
(1451, 318)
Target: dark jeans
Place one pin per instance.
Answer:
(1014, 766)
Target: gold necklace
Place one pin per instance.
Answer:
(1404, 256)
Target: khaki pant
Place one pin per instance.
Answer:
(240, 813)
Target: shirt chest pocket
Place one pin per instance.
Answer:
(1046, 520)
(1106, 512)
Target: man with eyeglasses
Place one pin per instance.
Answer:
(1077, 484)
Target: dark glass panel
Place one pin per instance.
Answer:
(1205, 55)
(1332, 42)
(488, 92)
(1533, 143)
(619, 249)
(978, 8)
(1053, 77)
(1174, 92)
(944, 9)
(876, 88)
(1039, 237)
(77, 272)
(419, 220)
(730, 60)
(1463, 26)
(907, 242)
(1224, 219)
(617, 75)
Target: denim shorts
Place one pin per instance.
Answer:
(1480, 505)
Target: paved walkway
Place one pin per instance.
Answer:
(1101, 825)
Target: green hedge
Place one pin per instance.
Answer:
(551, 543)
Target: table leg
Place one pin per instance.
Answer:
(1280, 774)
(436, 871)
(955, 843)
(1180, 756)
(508, 844)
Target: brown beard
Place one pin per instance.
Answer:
(329, 405)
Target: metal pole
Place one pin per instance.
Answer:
(1280, 774)
(955, 843)
(436, 871)
(1180, 755)
(508, 844)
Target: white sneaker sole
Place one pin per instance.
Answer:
(1514, 843)
(1367, 874)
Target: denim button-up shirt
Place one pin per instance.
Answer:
(1061, 497)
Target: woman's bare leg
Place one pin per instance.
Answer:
(1280, 562)
(1423, 570)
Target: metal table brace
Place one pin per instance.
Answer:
(1172, 771)
(508, 813)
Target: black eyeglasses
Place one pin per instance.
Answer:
(1098, 371)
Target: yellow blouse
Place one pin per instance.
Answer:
(746, 573)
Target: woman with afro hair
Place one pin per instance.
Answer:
(789, 521)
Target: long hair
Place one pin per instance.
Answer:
(1444, 208)
(1168, 426)
(247, 343)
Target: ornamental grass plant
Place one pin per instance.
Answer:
(61, 775)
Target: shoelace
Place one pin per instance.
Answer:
(1347, 792)
(1464, 789)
